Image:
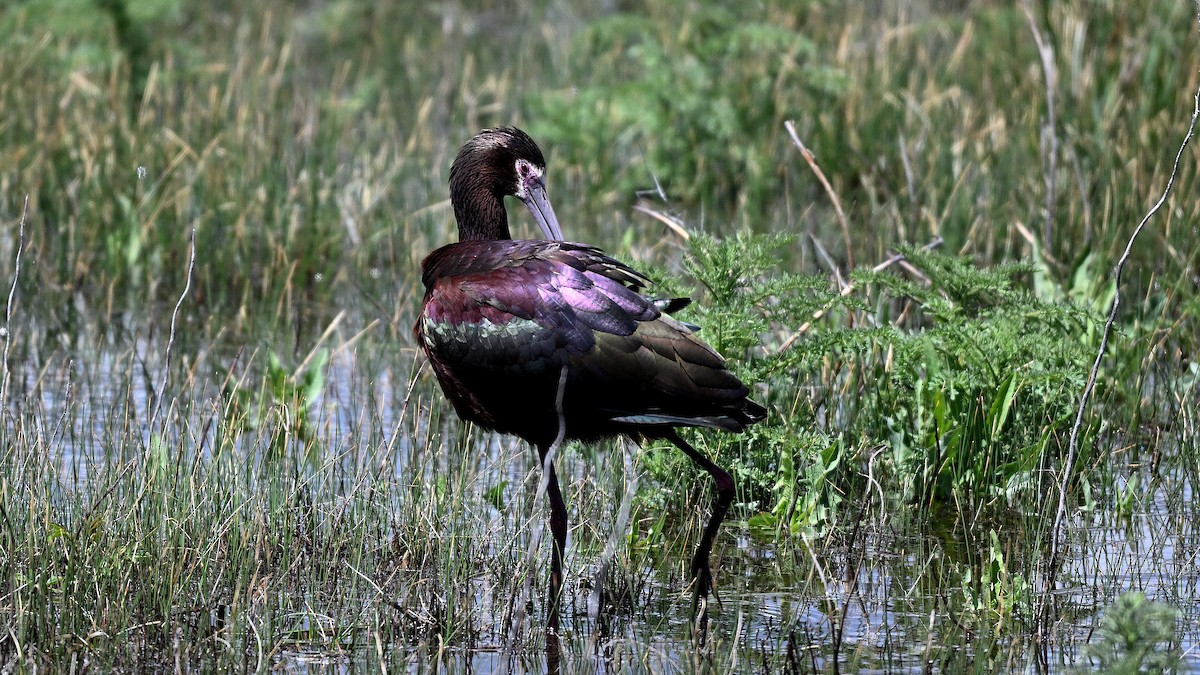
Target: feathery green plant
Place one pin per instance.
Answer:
(1135, 636)
(967, 390)
(980, 387)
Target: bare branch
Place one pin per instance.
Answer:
(847, 290)
(672, 223)
(187, 287)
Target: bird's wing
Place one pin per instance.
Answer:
(645, 367)
(666, 376)
(527, 307)
(549, 304)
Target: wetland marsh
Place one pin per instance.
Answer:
(220, 449)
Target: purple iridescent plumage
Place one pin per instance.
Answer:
(524, 309)
(511, 325)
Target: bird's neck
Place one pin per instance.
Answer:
(481, 218)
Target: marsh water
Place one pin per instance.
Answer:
(888, 595)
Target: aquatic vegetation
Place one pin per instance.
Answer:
(1135, 636)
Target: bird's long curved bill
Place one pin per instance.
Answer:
(538, 203)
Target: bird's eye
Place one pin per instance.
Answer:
(528, 175)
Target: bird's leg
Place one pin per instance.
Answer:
(701, 571)
(558, 512)
(558, 527)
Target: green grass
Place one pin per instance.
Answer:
(305, 494)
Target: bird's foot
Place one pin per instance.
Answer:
(701, 588)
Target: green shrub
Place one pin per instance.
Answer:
(981, 386)
(967, 382)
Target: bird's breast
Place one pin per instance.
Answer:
(475, 345)
(450, 336)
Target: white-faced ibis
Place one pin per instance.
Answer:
(549, 340)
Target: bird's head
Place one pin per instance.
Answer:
(493, 164)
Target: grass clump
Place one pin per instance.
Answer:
(291, 397)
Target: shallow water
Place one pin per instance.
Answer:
(890, 602)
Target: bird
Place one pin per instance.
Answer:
(554, 341)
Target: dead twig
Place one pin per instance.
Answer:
(837, 204)
(12, 296)
(187, 287)
(672, 223)
(837, 273)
